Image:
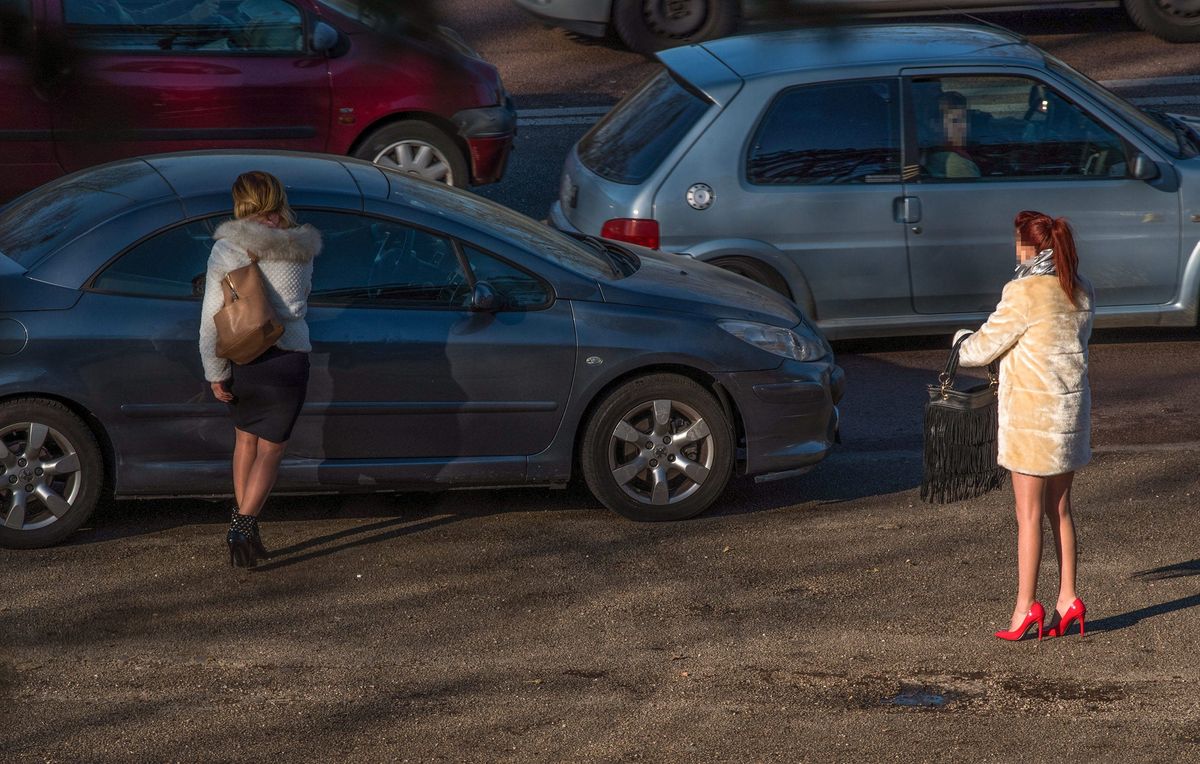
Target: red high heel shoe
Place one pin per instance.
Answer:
(1036, 613)
(1076, 611)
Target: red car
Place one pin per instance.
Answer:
(148, 76)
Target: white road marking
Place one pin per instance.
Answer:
(1151, 83)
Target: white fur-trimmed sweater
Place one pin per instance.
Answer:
(285, 256)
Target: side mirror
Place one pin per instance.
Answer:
(324, 37)
(484, 298)
(1143, 168)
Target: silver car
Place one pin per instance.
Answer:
(649, 25)
(872, 174)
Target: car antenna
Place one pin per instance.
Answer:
(984, 22)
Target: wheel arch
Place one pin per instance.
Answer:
(700, 377)
(441, 123)
(766, 254)
(108, 452)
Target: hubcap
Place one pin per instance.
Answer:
(661, 452)
(41, 477)
(675, 18)
(417, 158)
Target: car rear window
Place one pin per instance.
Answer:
(634, 138)
(40, 222)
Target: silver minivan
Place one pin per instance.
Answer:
(872, 174)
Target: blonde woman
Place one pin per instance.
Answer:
(265, 395)
(1040, 330)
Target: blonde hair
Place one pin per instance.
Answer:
(260, 193)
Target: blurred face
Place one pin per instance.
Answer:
(1024, 251)
(954, 126)
(270, 219)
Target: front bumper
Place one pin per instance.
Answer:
(489, 134)
(790, 414)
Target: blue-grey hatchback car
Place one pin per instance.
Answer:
(872, 173)
(455, 344)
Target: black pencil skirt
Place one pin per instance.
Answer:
(268, 393)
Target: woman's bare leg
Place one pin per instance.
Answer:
(1030, 493)
(1062, 525)
(262, 476)
(245, 451)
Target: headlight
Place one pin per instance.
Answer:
(776, 340)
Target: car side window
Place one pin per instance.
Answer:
(516, 289)
(972, 128)
(844, 132)
(172, 263)
(372, 262)
(230, 26)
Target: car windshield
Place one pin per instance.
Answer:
(634, 138)
(503, 223)
(1153, 129)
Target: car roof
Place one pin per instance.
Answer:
(830, 47)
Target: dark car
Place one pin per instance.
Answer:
(455, 344)
(145, 77)
(647, 26)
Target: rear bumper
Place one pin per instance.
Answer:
(585, 17)
(559, 220)
(489, 134)
(790, 414)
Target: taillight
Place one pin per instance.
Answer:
(633, 230)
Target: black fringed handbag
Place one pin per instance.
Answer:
(960, 437)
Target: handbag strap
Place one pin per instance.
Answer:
(946, 378)
(253, 261)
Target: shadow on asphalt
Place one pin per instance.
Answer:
(1125, 620)
(389, 529)
(1179, 570)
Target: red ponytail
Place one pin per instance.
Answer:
(1040, 231)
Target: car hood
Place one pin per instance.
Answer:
(677, 282)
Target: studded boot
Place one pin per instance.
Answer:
(243, 552)
(255, 536)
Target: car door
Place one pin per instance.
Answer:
(986, 145)
(820, 183)
(404, 369)
(26, 142)
(188, 74)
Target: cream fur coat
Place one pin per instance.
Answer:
(1045, 401)
(285, 256)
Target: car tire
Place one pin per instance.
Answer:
(57, 484)
(1165, 19)
(416, 148)
(755, 270)
(645, 26)
(619, 465)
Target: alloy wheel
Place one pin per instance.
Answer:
(661, 452)
(42, 477)
(418, 158)
(679, 19)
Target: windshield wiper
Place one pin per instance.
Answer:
(602, 248)
(1182, 131)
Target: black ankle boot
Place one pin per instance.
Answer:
(255, 535)
(243, 552)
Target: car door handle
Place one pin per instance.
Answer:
(906, 209)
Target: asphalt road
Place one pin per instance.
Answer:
(827, 617)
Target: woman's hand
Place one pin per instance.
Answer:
(221, 392)
(960, 334)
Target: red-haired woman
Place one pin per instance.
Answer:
(1040, 332)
